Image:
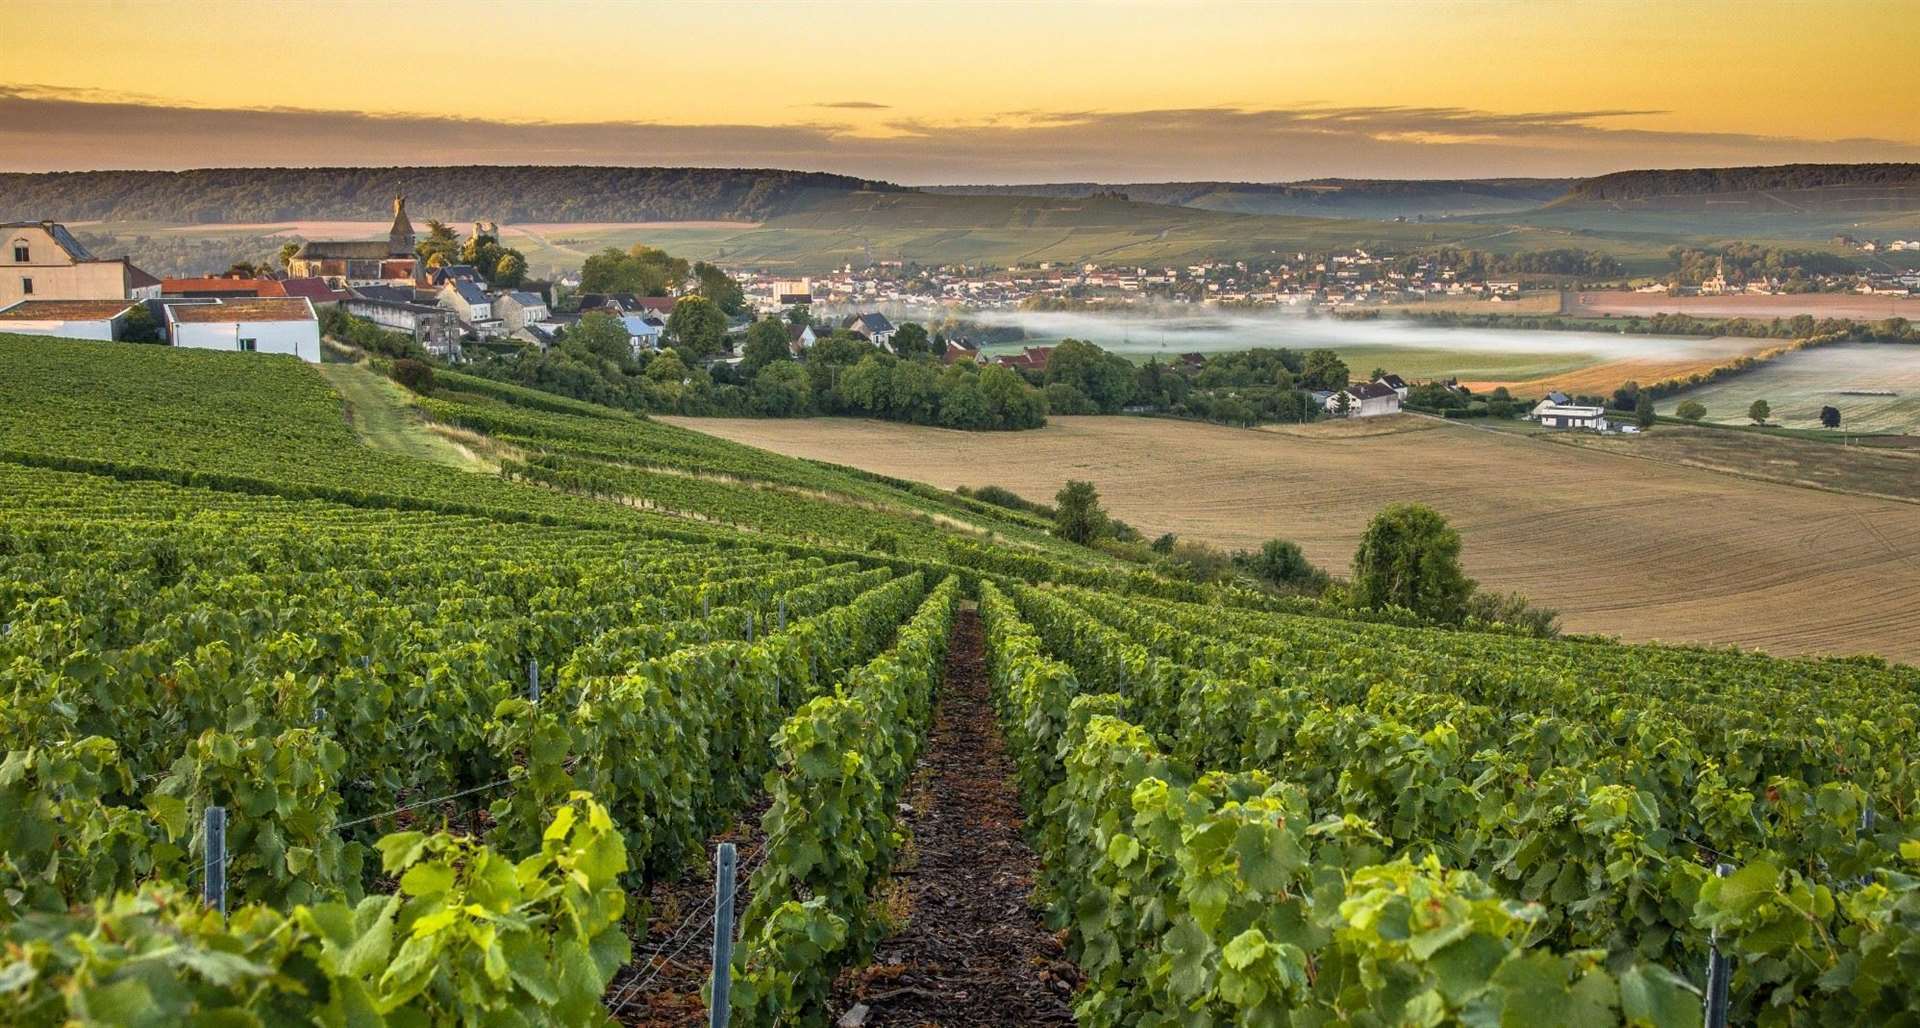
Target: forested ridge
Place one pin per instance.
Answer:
(506, 193)
(1638, 185)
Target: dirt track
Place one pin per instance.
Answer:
(1620, 545)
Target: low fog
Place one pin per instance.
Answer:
(1175, 332)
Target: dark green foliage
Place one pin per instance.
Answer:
(1099, 380)
(718, 286)
(697, 326)
(1078, 516)
(1410, 557)
(338, 325)
(141, 326)
(415, 375)
(1280, 562)
(1829, 417)
(641, 270)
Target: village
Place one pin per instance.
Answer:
(458, 302)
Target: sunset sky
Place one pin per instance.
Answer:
(963, 92)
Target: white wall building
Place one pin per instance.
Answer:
(264, 325)
(1365, 400)
(1554, 415)
(68, 319)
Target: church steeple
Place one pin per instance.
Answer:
(401, 239)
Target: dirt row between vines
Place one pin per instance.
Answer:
(971, 950)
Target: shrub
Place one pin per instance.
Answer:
(1691, 410)
(415, 375)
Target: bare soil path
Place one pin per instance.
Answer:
(972, 950)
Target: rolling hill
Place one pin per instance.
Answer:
(1383, 199)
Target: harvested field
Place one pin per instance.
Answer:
(1621, 545)
(1875, 386)
(1607, 375)
(1742, 305)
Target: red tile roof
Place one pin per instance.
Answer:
(274, 309)
(223, 286)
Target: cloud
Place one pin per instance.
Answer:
(47, 129)
(855, 105)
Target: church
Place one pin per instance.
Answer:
(360, 263)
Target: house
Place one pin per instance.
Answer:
(315, 289)
(960, 350)
(1552, 415)
(874, 326)
(800, 338)
(626, 303)
(284, 325)
(68, 319)
(1032, 358)
(41, 260)
(643, 333)
(1553, 399)
(1395, 383)
(1193, 361)
(436, 329)
(518, 309)
(434, 278)
(1365, 400)
(366, 262)
(473, 306)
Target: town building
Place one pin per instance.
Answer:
(800, 338)
(362, 262)
(283, 325)
(873, 325)
(518, 309)
(473, 306)
(68, 319)
(436, 329)
(41, 260)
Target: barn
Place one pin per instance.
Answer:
(283, 325)
(1553, 415)
(69, 319)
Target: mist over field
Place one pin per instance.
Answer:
(1174, 332)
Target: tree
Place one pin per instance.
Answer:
(910, 340)
(243, 269)
(1410, 557)
(867, 387)
(142, 327)
(510, 270)
(718, 286)
(287, 252)
(697, 326)
(1627, 397)
(666, 366)
(766, 344)
(440, 245)
(1759, 411)
(1691, 410)
(1077, 515)
(1830, 417)
(603, 336)
(1643, 415)
(1281, 563)
(781, 390)
(1324, 370)
(1342, 403)
(1106, 380)
(799, 315)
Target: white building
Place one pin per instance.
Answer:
(1555, 415)
(264, 325)
(875, 326)
(518, 309)
(1365, 400)
(68, 319)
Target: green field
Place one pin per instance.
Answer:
(1798, 384)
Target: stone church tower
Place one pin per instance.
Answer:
(400, 241)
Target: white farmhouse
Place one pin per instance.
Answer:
(472, 306)
(643, 332)
(250, 325)
(1365, 400)
(68, 319)
(875, 326)
(1554, 415)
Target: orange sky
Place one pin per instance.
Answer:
(1626, 84)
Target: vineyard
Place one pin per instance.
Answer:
(301, 731)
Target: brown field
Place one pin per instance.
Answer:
(1530, 303)
(1822, 305)
(1604, 377)
(1620, 545)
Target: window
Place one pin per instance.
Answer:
(26, 287)
(248, 345)
(21, 254)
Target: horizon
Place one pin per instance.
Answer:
(1114, 93)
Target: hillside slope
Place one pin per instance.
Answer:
(1331, 197)
(511, 193)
